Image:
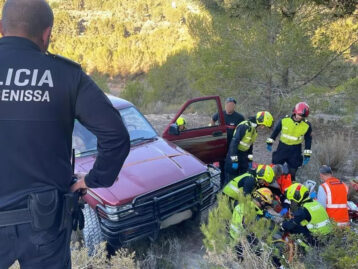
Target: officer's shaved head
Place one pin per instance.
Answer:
(28, 18)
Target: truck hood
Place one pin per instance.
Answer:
(148, 167)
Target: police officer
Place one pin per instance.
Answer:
(40, 96)
(239, 157)
(294, 130)
(232, 119)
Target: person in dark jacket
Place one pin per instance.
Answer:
(41, 95)
(232, 119)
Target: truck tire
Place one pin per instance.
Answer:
(92, 235)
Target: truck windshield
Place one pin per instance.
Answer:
(139, 129)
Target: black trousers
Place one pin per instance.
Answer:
(243, 163)
(292, 155)
(49, 249)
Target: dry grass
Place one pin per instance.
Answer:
(165, 254)
(81, 260)
(333, 150)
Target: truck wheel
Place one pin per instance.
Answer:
(92, 235)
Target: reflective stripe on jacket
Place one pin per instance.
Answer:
(319, 223)
(336, 200)
(249, 137)
(231, 189)
(292, 132)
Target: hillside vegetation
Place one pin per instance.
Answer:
(268, 54)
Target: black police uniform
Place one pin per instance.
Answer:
(40, 96)
(231, 121)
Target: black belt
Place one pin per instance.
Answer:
(15, 217)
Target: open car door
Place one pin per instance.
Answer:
(199, 136)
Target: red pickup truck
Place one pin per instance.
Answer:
(165, 180)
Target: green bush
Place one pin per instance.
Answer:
(220, 246)
(338, 250)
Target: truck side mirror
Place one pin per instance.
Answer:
(174, 129)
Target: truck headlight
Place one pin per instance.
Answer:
(114, 213)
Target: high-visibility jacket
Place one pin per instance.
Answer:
(320, 222)
(336, 200)
(292, 133)
(237, 219)
(231, 189)
(249, 137)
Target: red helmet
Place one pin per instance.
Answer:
(302, 109)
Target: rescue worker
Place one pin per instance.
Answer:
(281, 182)
(232, 119)
(294, 130)
(181, 123)
(239, 157)
(261, 198)
(247, 183)
(40, 96)
(310, 219)
(333, 196)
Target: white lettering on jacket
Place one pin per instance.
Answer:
(24, 96)
(23, 77)
(26, 78)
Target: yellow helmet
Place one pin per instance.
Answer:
(264, 118)
(265, 172)
(297, 192)
(180, 121)
(263, 195)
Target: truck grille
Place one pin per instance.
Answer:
(149, 210)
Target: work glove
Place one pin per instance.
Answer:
(235, 166)
(268, 215)
(313, 195)
(283, 211)
(306, 159)
(269, 142)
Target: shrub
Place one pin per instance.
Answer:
(339, 250)
(220, 247)
(333, 150)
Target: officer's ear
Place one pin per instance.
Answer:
(46, 34)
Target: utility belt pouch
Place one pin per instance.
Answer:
(44, 209)
(69, 205)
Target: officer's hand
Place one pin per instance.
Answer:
(235, 166)
(80, 183)
(306, 159)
